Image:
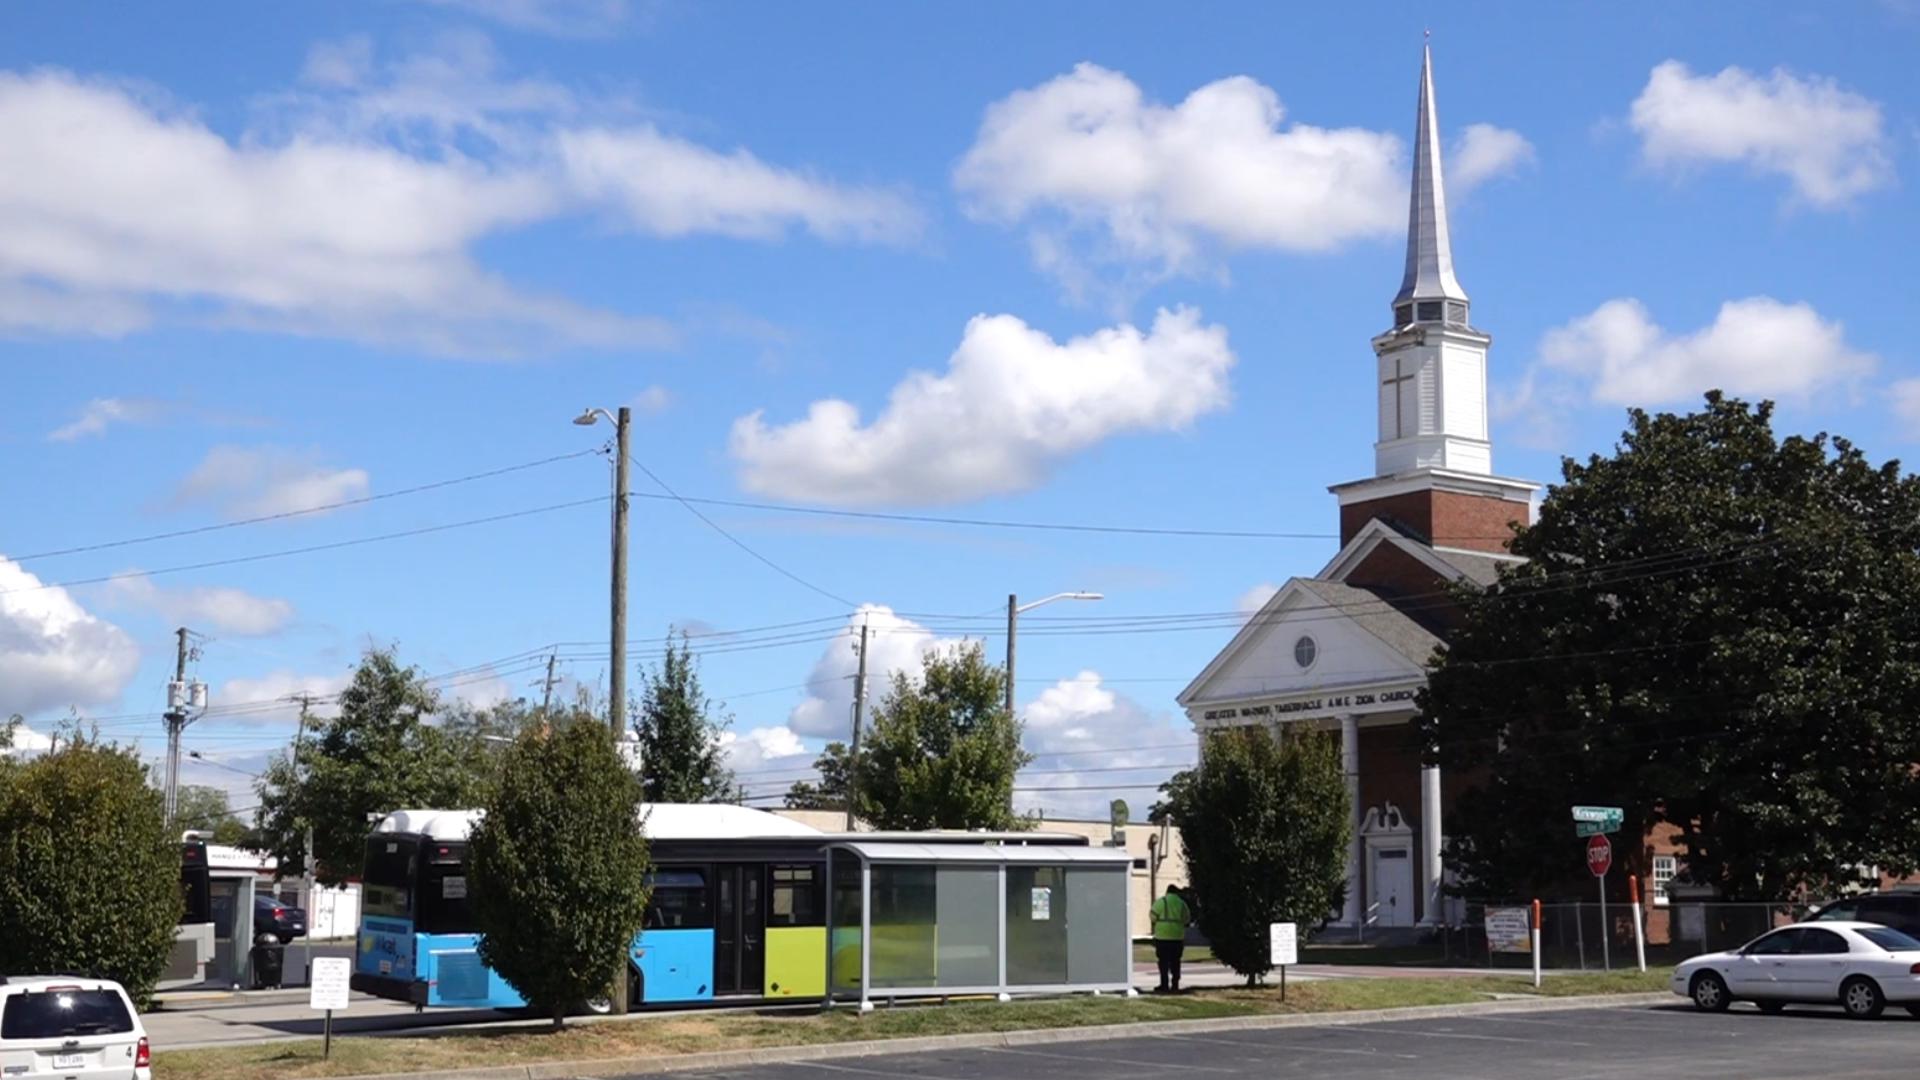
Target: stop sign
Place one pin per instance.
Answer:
(1599, 855)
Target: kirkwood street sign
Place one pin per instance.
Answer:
(1596, 820)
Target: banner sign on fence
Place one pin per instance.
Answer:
(1508, 929)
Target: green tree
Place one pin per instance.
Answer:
(1715, 628)
(1264, 824)
(835, 766)
(206, 809)
(679, 732)
(89, 872)
(379, 754)
(558, 866)
(943, 751)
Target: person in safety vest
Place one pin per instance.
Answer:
(1171, 916)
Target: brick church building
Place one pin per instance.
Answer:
(1347, 648)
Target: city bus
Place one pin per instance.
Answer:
(736, 912)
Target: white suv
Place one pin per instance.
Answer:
(64, 1027)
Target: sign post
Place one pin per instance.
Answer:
(1599, 861)
(331, 976)
(1534, 935)
(1283, 950)
(1639, 921)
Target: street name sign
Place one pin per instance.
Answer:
(1598, 813)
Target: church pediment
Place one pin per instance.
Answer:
(1316, 641)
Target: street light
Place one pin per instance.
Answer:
(617, 683)
(1014, 609)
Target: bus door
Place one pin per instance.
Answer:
(739, 928)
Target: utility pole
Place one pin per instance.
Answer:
(1013, 617)
(859, 720)
(179, 697)
(546, 693)
(617, 708)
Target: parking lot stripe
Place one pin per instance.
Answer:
(1110, 1060)
(1481, 1038)
(1276, 1045)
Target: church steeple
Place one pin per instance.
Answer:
(1429, 293)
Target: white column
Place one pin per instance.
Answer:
(1350, 764)
(1434, 870)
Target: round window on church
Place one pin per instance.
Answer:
(1305, 651)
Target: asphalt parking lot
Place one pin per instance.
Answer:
(1638, 1043)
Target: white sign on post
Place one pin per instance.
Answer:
(1509, 929)
(1283, 943)
(331, 978)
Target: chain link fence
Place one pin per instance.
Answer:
(1577, 935)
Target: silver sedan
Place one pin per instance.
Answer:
(1862, 967)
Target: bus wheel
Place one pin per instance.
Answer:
(597, 1006)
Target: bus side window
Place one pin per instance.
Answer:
(678, 900)
(795, 897)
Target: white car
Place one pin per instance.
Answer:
(1859, 966)
(66, 1028)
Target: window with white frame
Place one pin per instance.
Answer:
(1664, 867)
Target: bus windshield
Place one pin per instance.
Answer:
(387, 884)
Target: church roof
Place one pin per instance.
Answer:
(1480, 568)
(1429, 273)
(1377, 617)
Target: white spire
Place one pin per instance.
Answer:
(1429, 252)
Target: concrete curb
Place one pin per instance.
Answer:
(774, 1055)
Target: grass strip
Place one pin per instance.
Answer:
(647, 1037)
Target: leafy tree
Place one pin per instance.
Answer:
(89, 872)
(680, 756)
(1264, 824)
(558, 866)
(1715, 628)
(943, 750)
(206, 809)
(835, 766)
(378, 755)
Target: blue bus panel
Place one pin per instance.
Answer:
(450, 965)
(385, 948)
(677, 965)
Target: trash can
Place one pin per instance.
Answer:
(267, 959)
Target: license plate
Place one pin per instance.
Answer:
(69, 1061)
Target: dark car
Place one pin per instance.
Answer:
(1900, 910)
(270, 916)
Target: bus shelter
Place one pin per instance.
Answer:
(911, 919)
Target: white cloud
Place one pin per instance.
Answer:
(757, 748)
(1756, 347)
(102, 413)
(25, 741)
(352, 206)
(53, 653)
(257, 481)
(893, 644)
(561, 18)
(1251, 601)
(1484, 152)
(1160, 182)
(1012, 403)
(1905, 395)
(657, 183)
(1828, 142)
(272, 699)
(652, 401)
(219, 609)
(1079, 723)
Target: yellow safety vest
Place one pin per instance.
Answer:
(1170, 918)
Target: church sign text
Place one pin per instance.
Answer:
(1312, 705)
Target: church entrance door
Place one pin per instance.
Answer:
(1392, 881)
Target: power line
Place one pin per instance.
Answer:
(311, 548)
(734, 540)
(303, 511)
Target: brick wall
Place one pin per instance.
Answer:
(1445, 518)
(1395, 576)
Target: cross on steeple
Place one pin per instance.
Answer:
(1394, 384)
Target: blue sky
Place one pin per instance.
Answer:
(258, 260)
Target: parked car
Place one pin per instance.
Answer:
(1900, 910)
(1859, 966)
(270, 916)
(71, 1028)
